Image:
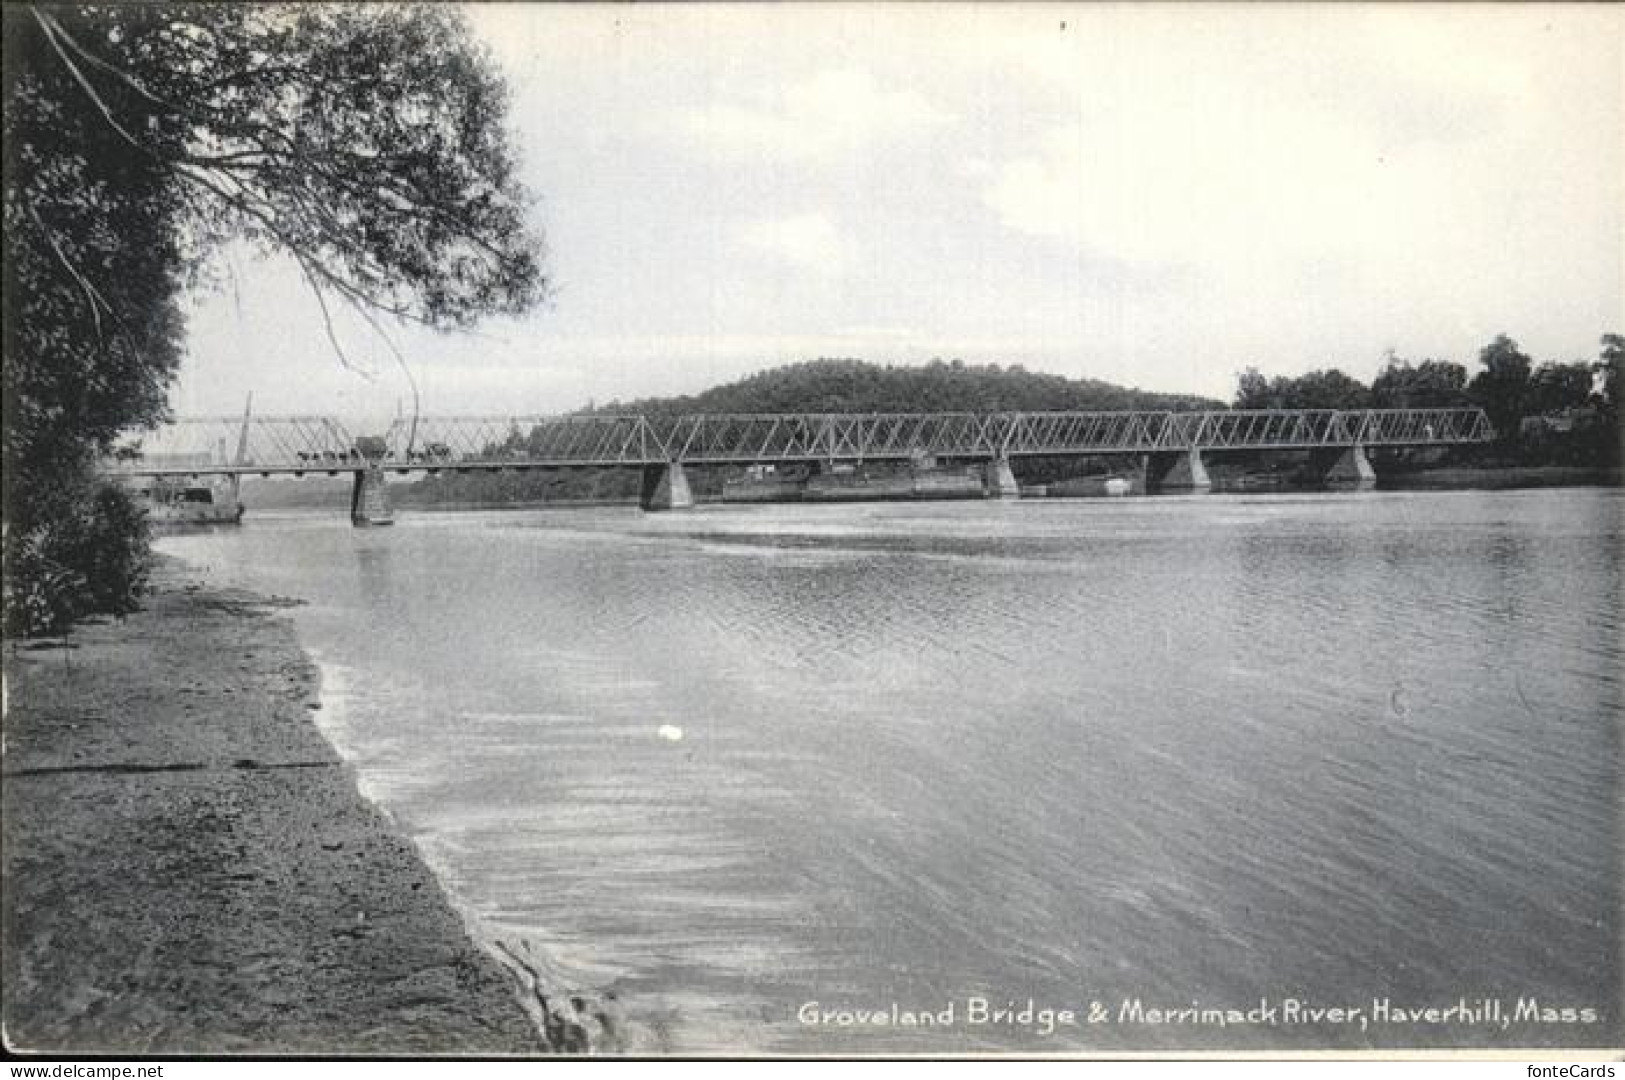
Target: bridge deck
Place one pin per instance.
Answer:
(316, 445)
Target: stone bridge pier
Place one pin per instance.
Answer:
(999, 481)
(665, 487)
(1174, 470)
(369, 500)
(1346, 467)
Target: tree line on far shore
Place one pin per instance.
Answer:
(1552, 414)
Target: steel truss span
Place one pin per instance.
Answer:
(317, 444)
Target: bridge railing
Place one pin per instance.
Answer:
(1062, 432)
(1316, 428)
(584, 440)
(1418, 427)
(203, 442)
(768, 437)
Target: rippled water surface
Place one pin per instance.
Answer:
(1222, 749)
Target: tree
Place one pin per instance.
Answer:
(1605, 399)
(1558, 388)
(1502, 388)
(1252, 390)
(1607, 367)
(368, 144)
(1432, 384)
(1327, 389)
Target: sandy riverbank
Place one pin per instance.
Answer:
(188, 867)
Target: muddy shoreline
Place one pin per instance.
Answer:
(189, 868)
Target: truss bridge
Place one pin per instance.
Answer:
(1169, 445)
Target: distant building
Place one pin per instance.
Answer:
(1558, 422)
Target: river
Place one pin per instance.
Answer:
(1211, 755)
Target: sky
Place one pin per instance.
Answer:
(1155, 195)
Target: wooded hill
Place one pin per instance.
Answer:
(830, 385)
(844, 385)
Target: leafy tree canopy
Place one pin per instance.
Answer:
(1328, 389)
(1502, 388)
(367, 142)
(1432, 384)
(1557, 388)
(1611, 359)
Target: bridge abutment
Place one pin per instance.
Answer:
(369, 500)
(1174, 470)
(999, 481)
(1346, 467)
(665, 487)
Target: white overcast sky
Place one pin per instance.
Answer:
(1155, 195)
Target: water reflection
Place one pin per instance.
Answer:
(373, 566)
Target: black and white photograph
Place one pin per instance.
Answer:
(812, 530)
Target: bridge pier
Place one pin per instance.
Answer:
(665, 487)
(998, 481)
(369, 501)
(1345, 467)
(1174, 470)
